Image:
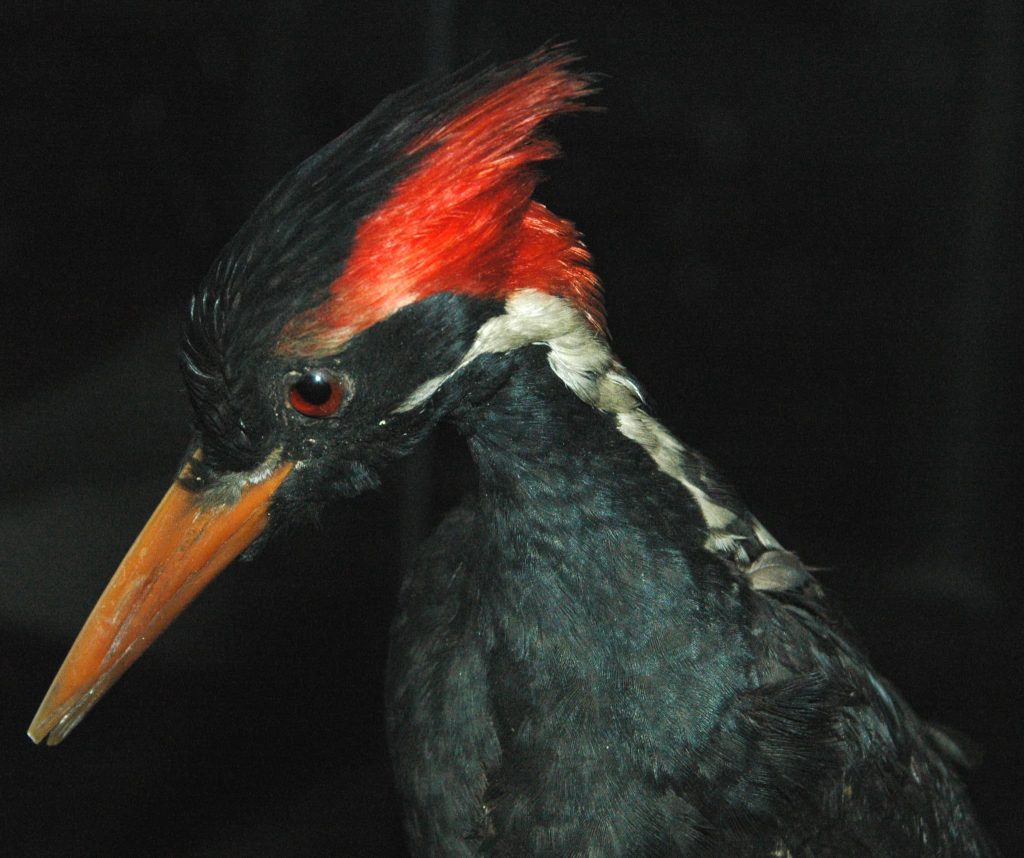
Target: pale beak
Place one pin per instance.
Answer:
(181, 549)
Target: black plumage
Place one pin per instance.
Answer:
(573, 674)
(601, 651)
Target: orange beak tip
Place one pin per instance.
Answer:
(180, 550)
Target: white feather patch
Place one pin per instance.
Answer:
(581, 358)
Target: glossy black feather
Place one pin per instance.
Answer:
(573, 674)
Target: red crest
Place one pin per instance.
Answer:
(463, 219)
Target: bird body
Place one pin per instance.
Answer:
(573, 672)
(601, 651)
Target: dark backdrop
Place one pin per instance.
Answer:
(809, 226)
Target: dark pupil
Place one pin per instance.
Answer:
(314, 388)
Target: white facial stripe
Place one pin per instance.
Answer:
(581, 358)
(530, 317)
(422, 393)
(765, 537)
(228, 488)
(667, 454)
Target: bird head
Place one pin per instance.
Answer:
(375, 289)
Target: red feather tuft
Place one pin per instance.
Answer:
(464, 219)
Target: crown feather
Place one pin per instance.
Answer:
(462, 218)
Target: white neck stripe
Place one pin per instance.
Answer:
(581, 358)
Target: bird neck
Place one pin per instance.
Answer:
(582, 556)
(559, 478)
(563, 419)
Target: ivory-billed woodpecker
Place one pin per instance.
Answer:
(601, 651)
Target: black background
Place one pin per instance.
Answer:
(808, 222)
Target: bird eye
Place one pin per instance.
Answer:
(316, 394)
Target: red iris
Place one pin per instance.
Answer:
(315, 394)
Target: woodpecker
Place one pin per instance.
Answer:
(601, 651)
